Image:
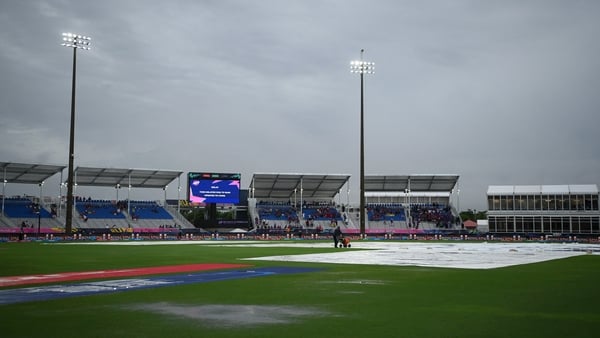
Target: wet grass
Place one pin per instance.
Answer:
(550, 299)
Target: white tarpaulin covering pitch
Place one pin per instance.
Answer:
(462, 255)
(444, 255)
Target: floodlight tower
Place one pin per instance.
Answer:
(76, 42)
(362, 67)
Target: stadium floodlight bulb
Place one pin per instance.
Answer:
(76, 41)
(362, 67)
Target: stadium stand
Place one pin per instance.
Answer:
(386, 212)
(148, 210)
(277, 211)
(97, 209)
(432, 214)
(21, 207)
(321, 212)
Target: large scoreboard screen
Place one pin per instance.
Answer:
(220, 188)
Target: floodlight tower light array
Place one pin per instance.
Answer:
(362, 67)
(76, 41)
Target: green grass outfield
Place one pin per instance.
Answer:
(559, 298)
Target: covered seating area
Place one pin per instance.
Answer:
(44, 214)
(27, 214)
(297, 200)
(400, 203)
(124, 212)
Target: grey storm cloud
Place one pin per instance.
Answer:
(498, 92)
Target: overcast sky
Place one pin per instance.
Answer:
(498, 92)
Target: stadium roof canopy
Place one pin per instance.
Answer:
(137, 178)
(28, 173)
(416, 183)
(284, 186)
(496, 190)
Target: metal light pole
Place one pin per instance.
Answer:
(39, 209)
(458, 200)
(4, 181)
(39, 214)
(165, 196)
(362, 67)
(76, 42)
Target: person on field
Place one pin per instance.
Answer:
(337, 236)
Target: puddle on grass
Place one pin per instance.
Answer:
(356, 281)
(229, 316)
